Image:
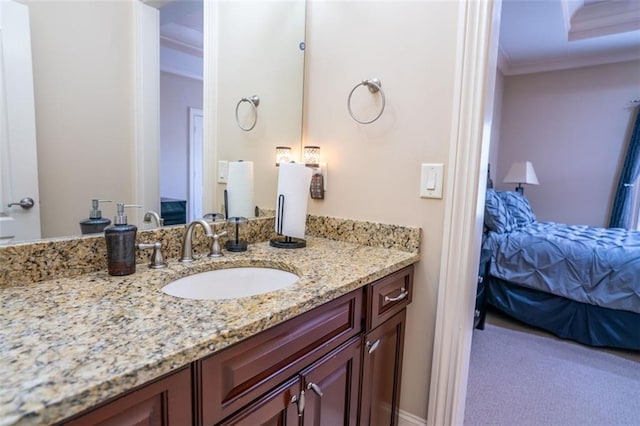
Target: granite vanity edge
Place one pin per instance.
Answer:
(27, 263)
(144, 373)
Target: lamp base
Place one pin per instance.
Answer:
(287, 242)
(236, 246)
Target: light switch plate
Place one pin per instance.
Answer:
(223, 170)
(431, 180)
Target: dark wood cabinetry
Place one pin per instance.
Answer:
(164, 402)
(276, 408)
(387, 300)
(234, 377)
(338, 364)
(323, 394)
(381, 372)
(331, 387)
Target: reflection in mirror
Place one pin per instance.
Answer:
(83, 114)
(259, 52)
(95, 105)
(181, 115)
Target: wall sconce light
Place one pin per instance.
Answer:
(311, 156)
(283, 155)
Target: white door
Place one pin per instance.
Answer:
(194, 203)
(18, 155)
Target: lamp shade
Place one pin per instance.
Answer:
(521, 172)
(311, 155)
(283, 154)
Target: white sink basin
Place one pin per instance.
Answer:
(230, 283)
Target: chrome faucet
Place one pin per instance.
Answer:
(155, 216)
(187, 244)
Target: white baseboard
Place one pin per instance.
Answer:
(408, 419)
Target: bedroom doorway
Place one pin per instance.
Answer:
(507, 323)
(181, 110)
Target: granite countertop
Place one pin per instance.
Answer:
(68, 344)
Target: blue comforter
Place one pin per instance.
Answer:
(591, 265)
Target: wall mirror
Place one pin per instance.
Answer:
(95, 104)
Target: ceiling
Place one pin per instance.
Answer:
(182, 25)
(535, 35)
(546, 35)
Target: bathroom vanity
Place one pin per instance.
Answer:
(314, 366)
(116, 350)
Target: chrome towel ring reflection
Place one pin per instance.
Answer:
(254, 101)
(374, 85)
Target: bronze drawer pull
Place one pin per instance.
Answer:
(299, 401)
(371, 347)
(315, 388)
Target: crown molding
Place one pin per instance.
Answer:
(555, 64)
(180, 46)
(503, 60)
(181, 72)
(604, 18)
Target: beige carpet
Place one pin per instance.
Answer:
(524, 376)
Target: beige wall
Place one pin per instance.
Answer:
(374, 169)
(83, 88)
(258, 54)
(574, 125)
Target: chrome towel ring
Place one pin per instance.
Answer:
(374, 85)
(254, 101)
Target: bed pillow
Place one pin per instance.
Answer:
(518, 207)
(496, 215)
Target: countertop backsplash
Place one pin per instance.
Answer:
(26, 263)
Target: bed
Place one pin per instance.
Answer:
(578, 282)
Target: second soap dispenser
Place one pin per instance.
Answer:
(95, 223)
(121, 244)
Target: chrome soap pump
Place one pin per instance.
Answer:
(95, 223)
(121, 244)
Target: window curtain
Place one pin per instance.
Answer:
(622, 213)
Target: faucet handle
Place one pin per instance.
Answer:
(216, 249)
(156, 260)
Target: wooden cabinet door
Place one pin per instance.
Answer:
(165, 402)
(331, 387)
(276, 408)
(242, 373)
(381, 372)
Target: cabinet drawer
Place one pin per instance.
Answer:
(166, 401)
(389, 296)
(238, 375)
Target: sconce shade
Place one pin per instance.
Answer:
(283, 154)
(312, 156)
(521, 172)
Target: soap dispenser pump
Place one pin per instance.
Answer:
(121, 244)
(95, 223)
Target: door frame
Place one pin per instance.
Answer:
(146, 111)
(195, 163)
(479, 25)
(18, 142)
